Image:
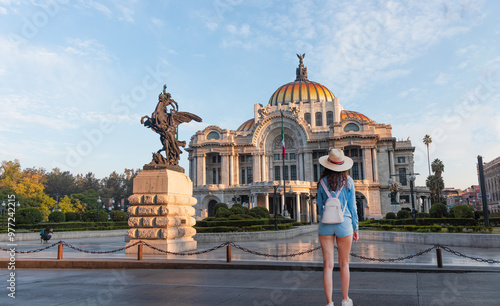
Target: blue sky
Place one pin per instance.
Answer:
(76, 76)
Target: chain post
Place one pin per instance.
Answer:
(439, 256)
(139, 252)
(60, 251)
(228, 253)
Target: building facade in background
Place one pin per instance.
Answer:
(492, 181)
(245, 165)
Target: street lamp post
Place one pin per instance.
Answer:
(99, 201)
(412, 177)
(3, 213)
(276, 187)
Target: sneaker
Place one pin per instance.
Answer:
(347, 302)
(329, 304)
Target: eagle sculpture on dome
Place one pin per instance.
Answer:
(165, 122)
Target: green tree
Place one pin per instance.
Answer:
(427, 141)
(438, 211)
(87, 182)
(462, 211)
(59, 183)
(435, 185)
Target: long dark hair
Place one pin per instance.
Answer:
(334, 179)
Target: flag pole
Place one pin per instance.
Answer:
(283, 158)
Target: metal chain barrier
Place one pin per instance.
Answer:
(394, 259)
(102, 252)
(33, 251)
(228, 243)
(447, 249)
(273, 255)
(185, 253)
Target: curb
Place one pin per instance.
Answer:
(235, 265)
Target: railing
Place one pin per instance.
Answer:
(228, 245)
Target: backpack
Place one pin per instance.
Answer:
(332, 211)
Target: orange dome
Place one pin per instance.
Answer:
(345, 114)
(301, 91)
(246, 126)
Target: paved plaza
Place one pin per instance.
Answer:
(401, 283)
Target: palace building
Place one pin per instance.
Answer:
(246, 165)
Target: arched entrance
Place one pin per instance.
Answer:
(211, 206)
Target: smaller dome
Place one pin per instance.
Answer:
(246, 126)
(346, 115)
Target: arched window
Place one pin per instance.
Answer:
(213, 135)
(307, 117)
(319, 119)
(351, 127)
(329, 118)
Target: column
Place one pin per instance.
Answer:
(375, 164)
(308, 167)
(308, 210)
(225, 169)
(282, 205)
(267, 201)
(297, 204)
(200, 169)
(256, 167)
(236, 170)
(300, 170)
(263, 165)
(230, 166)
(194, 170)
(391, 161)
(367, 160)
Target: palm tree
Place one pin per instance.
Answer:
(437, 167)
(427, 141)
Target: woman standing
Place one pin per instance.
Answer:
(335, 177)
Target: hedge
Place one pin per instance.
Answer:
(28, 216)
(251, 228)
(241, 223)
(409, 228)
(429, 221)
(72, 225)
(57, 216)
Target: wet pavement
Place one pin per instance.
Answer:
(366, 248)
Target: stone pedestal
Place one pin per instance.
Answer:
(161, 212)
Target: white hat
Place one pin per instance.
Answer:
(336, 161)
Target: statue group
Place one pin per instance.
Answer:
(164, 121)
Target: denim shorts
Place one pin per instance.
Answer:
(343, 229)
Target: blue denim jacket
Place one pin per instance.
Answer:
(346, 197)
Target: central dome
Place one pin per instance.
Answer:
(301, 90)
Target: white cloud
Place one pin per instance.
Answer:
(442, 79)
(157, 22)
(3, 11)
(407, 92)
(90, 48)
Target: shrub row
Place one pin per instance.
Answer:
(428, 221)
(251, 228)
(470, 229)
(72, 225)
(240, 223)
(408, 228)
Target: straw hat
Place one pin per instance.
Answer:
(336, 161)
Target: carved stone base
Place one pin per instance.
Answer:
(177, 245)
(161, 212)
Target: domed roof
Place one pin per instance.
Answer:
(345, 114)
(301, 90)
(246, 126)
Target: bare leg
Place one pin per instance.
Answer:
(327, 244)
(344, 248)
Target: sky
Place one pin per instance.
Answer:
(77, 76)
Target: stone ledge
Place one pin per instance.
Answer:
(460, 240)
(56, 236)
(254, 236)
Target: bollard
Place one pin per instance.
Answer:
(59, 251)
(439, 258)
(228, 253)
(139, 252)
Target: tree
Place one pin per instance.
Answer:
(435, 185)
(27, 185)
(59, 183)
(427, 141)
(71, 204)
(437, 167)
(87, 182)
